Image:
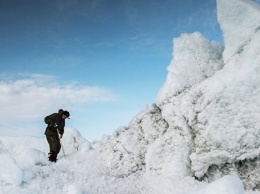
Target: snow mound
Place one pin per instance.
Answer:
(20, 156)
(11, 173)
(31, 156)
(72, 141)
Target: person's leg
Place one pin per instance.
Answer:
(54, 147)
(57, 147)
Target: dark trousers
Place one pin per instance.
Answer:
(54, 144)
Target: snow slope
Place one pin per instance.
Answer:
(84, 171)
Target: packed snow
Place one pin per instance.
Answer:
(27, 170)
(200, 137)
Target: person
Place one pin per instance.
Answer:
(54, 132)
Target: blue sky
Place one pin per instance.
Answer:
(103, 60)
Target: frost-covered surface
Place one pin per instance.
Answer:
(24, 169)
(218, 118)
(204, 125)
(84, 171)
(194, 60)
(206, 120)
(239, 21)
(226, 185)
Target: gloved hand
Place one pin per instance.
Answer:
(61, 136)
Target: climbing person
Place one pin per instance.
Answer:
(54, 132)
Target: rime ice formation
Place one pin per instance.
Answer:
(206, 120)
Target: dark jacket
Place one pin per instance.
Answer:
(54, 118)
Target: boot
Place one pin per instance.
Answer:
(52, 156)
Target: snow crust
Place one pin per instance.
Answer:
(86, 172)
(19, 156)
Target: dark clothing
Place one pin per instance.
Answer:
(54, 144)
(55, 124)
(54, 118)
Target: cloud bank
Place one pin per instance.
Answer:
(28, 97)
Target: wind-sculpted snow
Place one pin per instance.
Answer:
(227, 129)
(128, 146)
(239, 21)
(160, 138)
(206, 121)
(194, 60)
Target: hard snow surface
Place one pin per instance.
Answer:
(201, 136)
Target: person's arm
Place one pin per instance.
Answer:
(61, 128)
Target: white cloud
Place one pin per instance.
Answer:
(28, 98)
